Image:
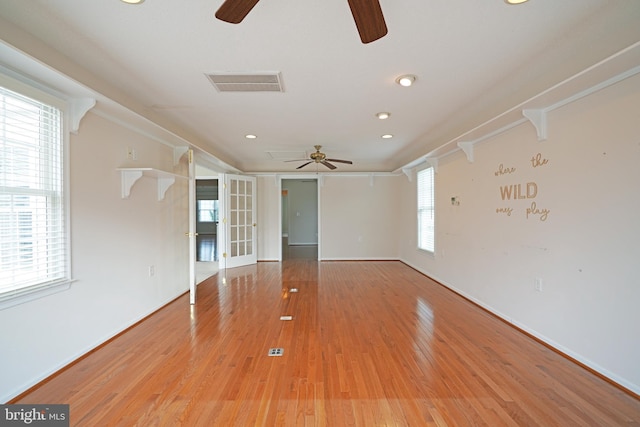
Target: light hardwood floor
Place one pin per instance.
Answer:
(370, 344)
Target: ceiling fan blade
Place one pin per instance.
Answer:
(296, 160)
(341, 161)
(234, 11)
(369, 19)
(303, 165)
(327, 164)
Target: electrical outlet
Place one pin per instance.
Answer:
(131, 153)
(537, 284)
(152, 270)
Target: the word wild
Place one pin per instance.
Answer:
(514, 191)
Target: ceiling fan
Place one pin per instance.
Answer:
(321, 158)
(366, 13)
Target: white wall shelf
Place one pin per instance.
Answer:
(130, 176)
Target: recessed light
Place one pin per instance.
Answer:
(250, 136)
(387, 136)
(133, 1)
(383, 115)
(406, 80)
(515, 1)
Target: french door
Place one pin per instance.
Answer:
(238, 204)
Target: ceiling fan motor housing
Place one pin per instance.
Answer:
(318, 157)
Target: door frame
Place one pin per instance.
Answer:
(300, 177)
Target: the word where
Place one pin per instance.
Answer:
(504, 171)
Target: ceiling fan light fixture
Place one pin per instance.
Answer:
(383, 115)
(515, 1)
(250, 136)
(132, 1)
(387, 136)
(406, 80)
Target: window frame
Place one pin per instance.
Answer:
(37, 92)
(420, 209)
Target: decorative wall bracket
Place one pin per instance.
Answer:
(433, 161)
(178, 152)
(78, 107)
(467, 147)
(130, 176)
(538, 118)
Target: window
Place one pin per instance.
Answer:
(207, 211)
(33, 238)
(426, 210)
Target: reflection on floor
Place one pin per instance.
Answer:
(206, 247)
(207, 256)
(298, 251)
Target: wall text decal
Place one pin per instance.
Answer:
(520, 191)
(534, 210)
(504, 210)
(503, 171)
(514, 191)
(538, 160)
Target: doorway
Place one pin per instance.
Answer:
(207, 215)
(299, 219)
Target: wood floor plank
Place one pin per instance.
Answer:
(369, 344)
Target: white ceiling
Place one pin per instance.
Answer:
(474, 59)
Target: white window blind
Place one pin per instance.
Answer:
(426, 210)
(33, 242)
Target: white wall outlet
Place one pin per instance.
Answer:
(537, 284)
(152, 270)
(131, 153)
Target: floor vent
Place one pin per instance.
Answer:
(276, 351)
(247, 82)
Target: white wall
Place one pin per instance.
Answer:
(359, 217)
(586, 252)
(268, 216)
(114, 241)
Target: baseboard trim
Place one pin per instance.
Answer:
(591, 367)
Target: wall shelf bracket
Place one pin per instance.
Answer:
(130, 176)
(178, 153)
(433, 161)
(538, 118)
(164, 182)
(467, 147)
(78, 107)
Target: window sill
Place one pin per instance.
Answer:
(20, 297)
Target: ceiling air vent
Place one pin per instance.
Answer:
(247, 82)
(287, 155)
